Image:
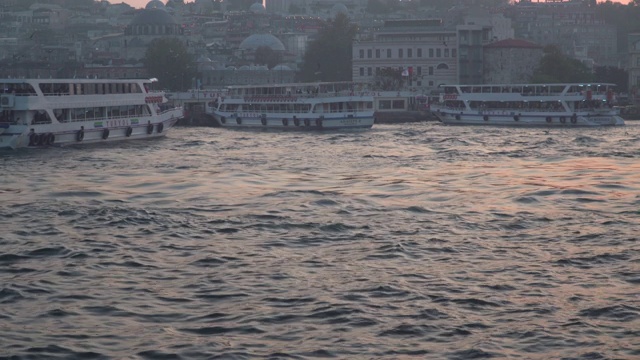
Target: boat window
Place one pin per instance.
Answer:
(496, 89)
(77, 114)
(486, 89)
(41, 117)
(384, 104)
(398, 104)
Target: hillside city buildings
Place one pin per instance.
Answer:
(465, 42)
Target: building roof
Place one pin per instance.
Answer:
(514, 43)
(153, 17)
(257, 40)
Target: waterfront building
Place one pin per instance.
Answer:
(511, 61)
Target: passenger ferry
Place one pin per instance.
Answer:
(297, 106)
(564, 105)
(58, 112)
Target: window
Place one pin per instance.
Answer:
(400, 55)
(361, 71)
(369, 54)
(377, 53)
(430, 53)
(430, 83)
(419, 52)
(443, 66)
(361, 53)
(409, 53)
(430, 70)
(369, 71)
(446, 52)
(388, 53)
(419, 70)
(454, 53)
(438, 52)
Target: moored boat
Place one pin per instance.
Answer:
(296, 106)
(58, 112)
(565, 105)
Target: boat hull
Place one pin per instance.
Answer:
(86, 132)
(287, 122)
(450, 117)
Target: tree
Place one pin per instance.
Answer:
(614, 75)
(328, 58)
(295, 9)
(167, 60)
(389, 79)
(265, 55)
(555, 67)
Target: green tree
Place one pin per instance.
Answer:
(555, 67)
(167, 60)
(328, 58)
(614, 75)
(389, 79)
(295, 9)
(265, 55)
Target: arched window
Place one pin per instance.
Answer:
(442, 66)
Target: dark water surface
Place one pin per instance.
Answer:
(406, 241)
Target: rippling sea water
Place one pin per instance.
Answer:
(406, 241)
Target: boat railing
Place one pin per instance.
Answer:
(307, 95)
(508, 111)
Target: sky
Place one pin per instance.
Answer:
(143, 3)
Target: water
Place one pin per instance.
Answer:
(406, 241)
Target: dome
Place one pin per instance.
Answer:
(257, 8)
(258, 40)
(281, 68)
(339, 8)
(154, 4)
(153, 17)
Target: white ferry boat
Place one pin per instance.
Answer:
(298, 106)
(58, 112)
(528, 105)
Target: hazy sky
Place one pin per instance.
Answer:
(143, 3)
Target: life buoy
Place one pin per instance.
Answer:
(285, 122)
(238, 120)
(105, 134)
(37, 139)
(306, 122)
(296, 121)
(516, 117)
(548, 119)
(33, 139)
(563, 119)
(574, 118)
(129, 131)
(150, 129)
(50, 139)
(485, 118)
(223, 120)
(80, 135)
(160, 127)
(263, 120)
